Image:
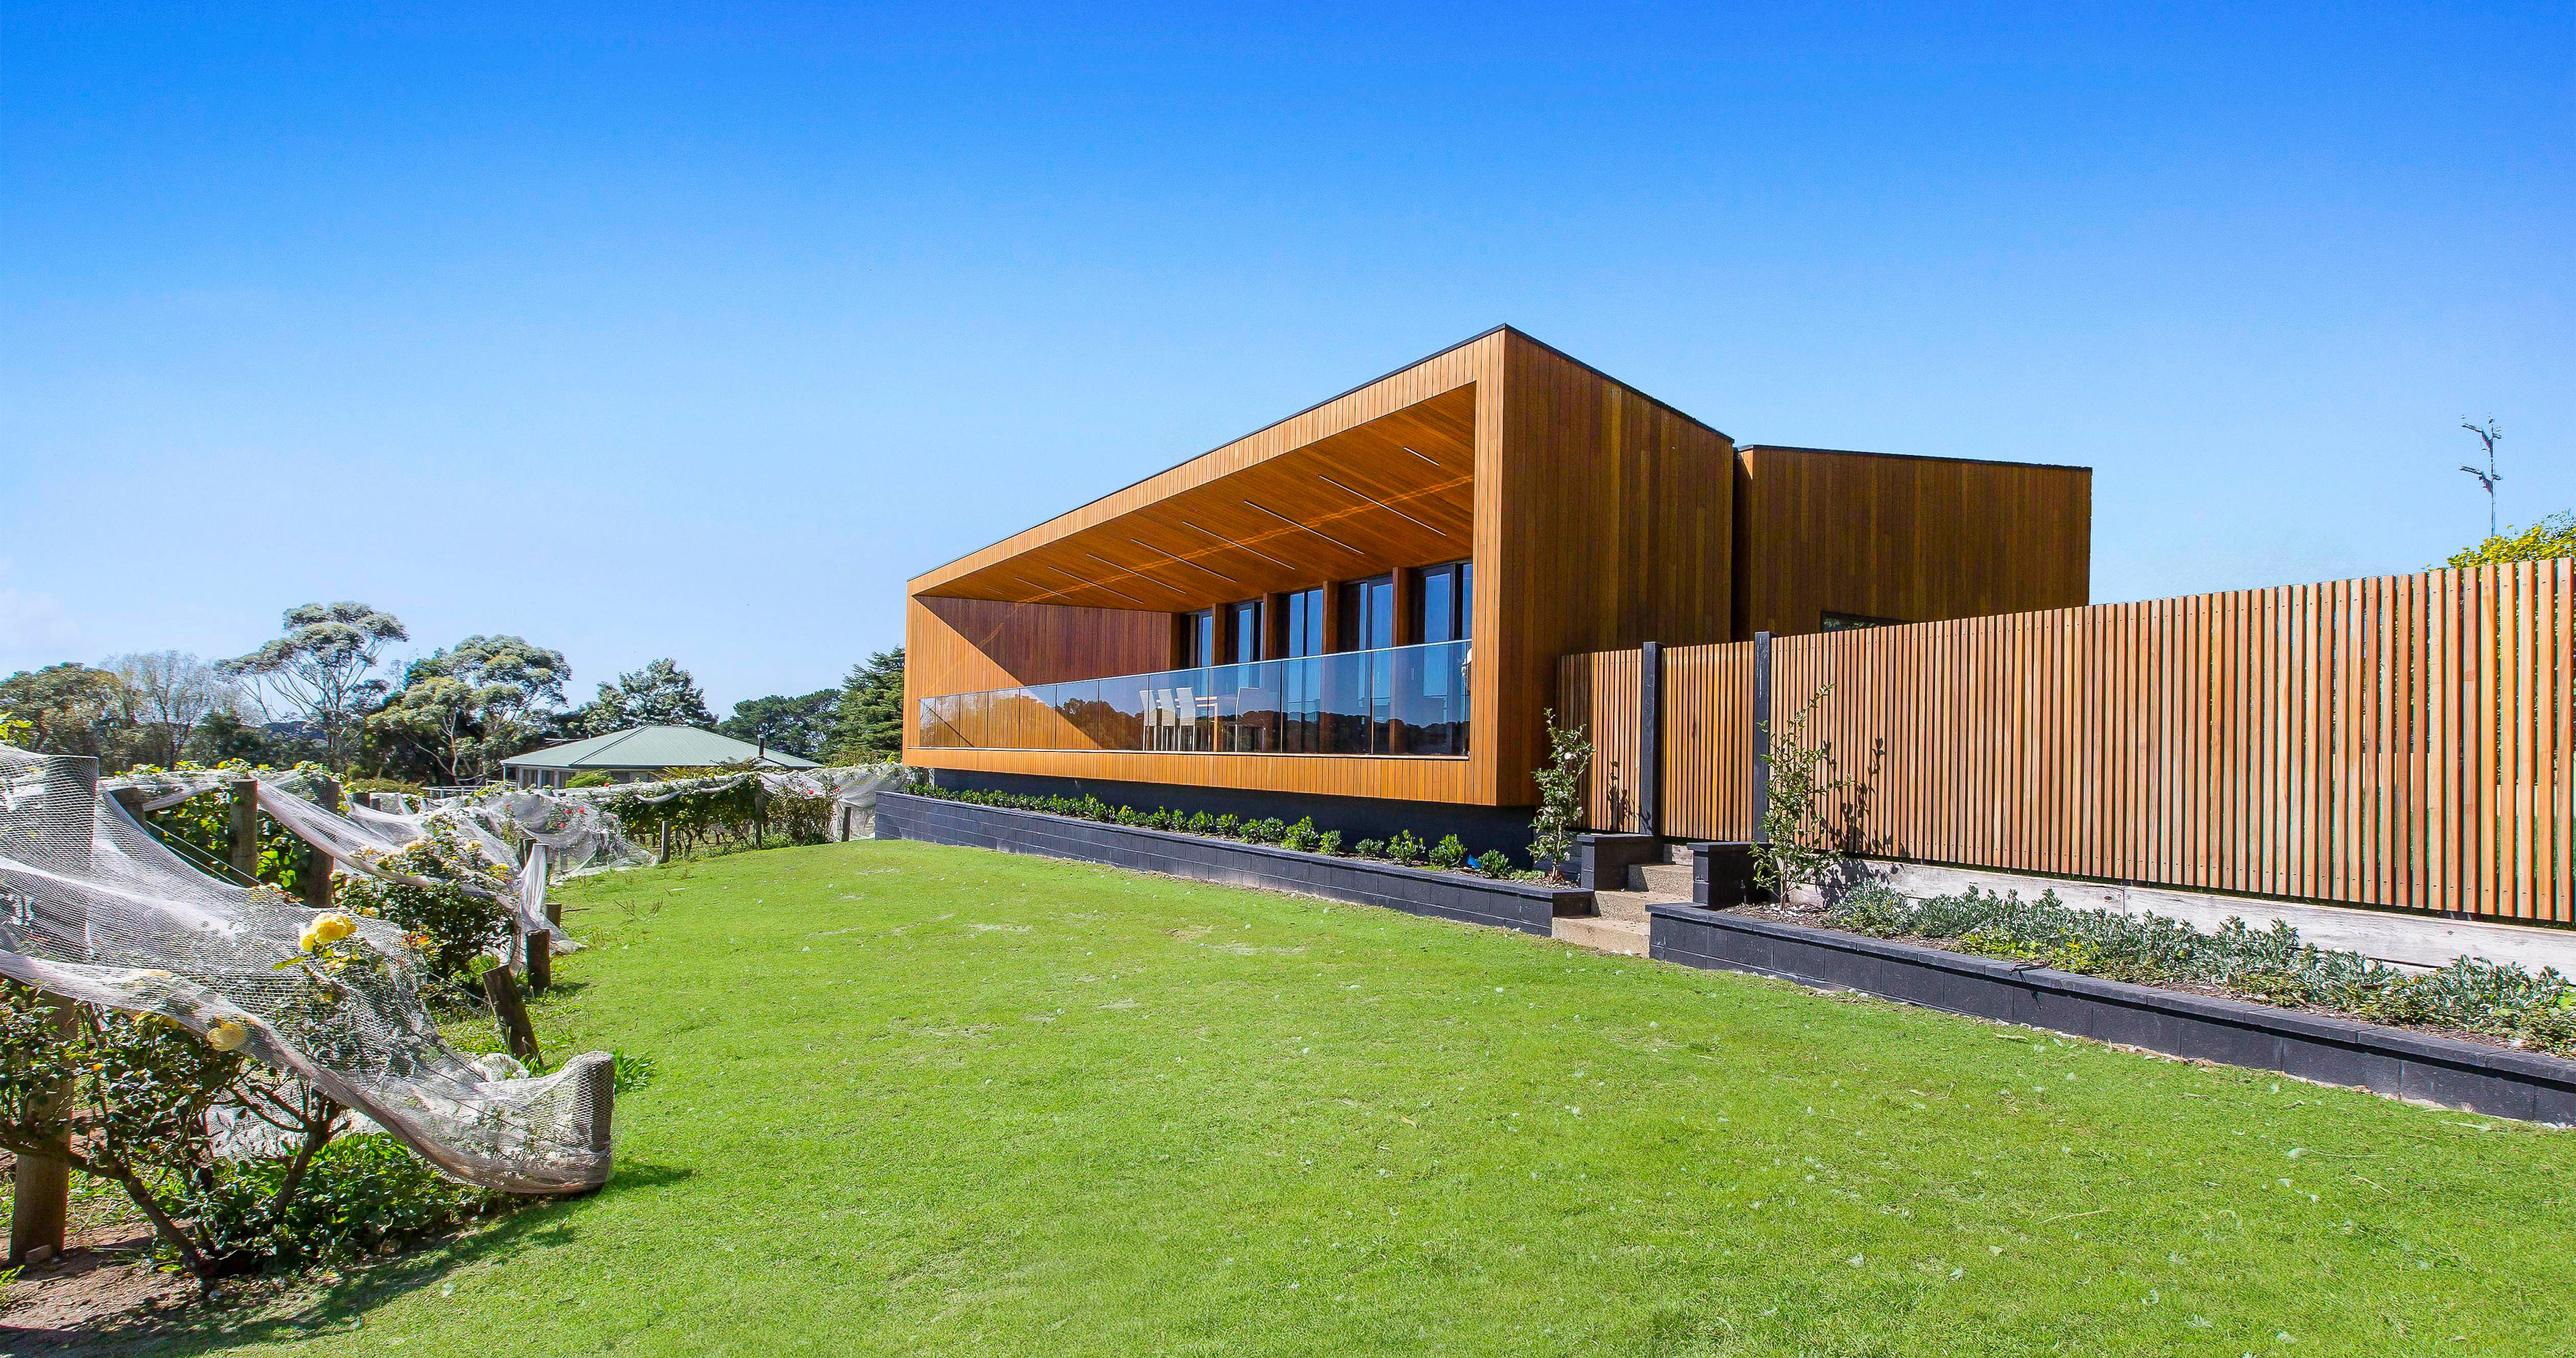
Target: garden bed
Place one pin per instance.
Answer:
(2330, 1049)
(1530, 907)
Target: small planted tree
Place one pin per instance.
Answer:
(1797, 847)
(1560, 797)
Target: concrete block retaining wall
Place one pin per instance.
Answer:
(2497, 1081)
(1528, 907)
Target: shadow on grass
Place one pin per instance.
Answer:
(358, 1289)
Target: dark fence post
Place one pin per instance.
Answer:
(1650, 739)
(1761, 733)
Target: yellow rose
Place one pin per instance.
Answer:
(227, 1035)
(309, 941)
(333, 927)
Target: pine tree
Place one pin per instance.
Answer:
(869, 729)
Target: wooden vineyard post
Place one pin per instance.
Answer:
(66, 810)
(666, 839)
(502, 989)
(314, 877)
(245, 828)
(43, 1186)
(540, 948)
(602, 1088)
(759, 814)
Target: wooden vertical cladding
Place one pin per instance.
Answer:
(1603, 521)
(1905, 539)
(1597, 695)
(1707, 725)
(1594, 518)
(965, 645)
(2402, 741)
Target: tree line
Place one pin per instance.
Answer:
(324, 691)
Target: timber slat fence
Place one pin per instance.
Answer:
(2400, 741)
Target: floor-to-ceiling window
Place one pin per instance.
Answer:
(1301, 698)
(1430, 688)
(1356, 691)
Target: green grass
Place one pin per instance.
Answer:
(924, 1100)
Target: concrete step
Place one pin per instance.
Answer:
(1626, 905)
(1662, 881)
(1602, 933)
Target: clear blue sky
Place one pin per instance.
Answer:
(645, 330)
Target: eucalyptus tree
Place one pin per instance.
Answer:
(324, 667)
(469, 706)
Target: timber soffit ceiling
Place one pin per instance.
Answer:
(1396, 491)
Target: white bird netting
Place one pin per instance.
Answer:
(93, 908)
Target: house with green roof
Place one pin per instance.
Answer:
(639, 756)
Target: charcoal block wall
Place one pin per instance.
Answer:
(1529, 907)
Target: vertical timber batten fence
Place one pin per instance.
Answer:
(2403, 741)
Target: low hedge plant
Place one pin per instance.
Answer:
(2501, 1001)
(1449, 855)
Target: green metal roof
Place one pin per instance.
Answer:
(652, 747)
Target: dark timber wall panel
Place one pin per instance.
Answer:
(1913, 539)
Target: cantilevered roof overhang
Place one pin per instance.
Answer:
(1396, 489)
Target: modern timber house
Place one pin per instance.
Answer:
(1356, 613)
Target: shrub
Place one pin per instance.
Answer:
(1404, 848)
(1301, 836)
(1496, 864)
(1449, 853)
(1228, 827)
(2274, 964)
(139, 1093)
(1128, 815)
(358, 1192)
(1267, 830)
(1200, 823)
(449, 924)
(1160, 820)
(1370, 848)
(593, 779)
(1329, 842)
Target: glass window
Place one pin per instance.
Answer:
(1198, 638)
(1243, 631)
(1306, 623)
(1443, 605)
(1368, 615)
(1853, 622)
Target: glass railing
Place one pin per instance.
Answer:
(1404, 700)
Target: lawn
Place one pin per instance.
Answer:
(911, 1099)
